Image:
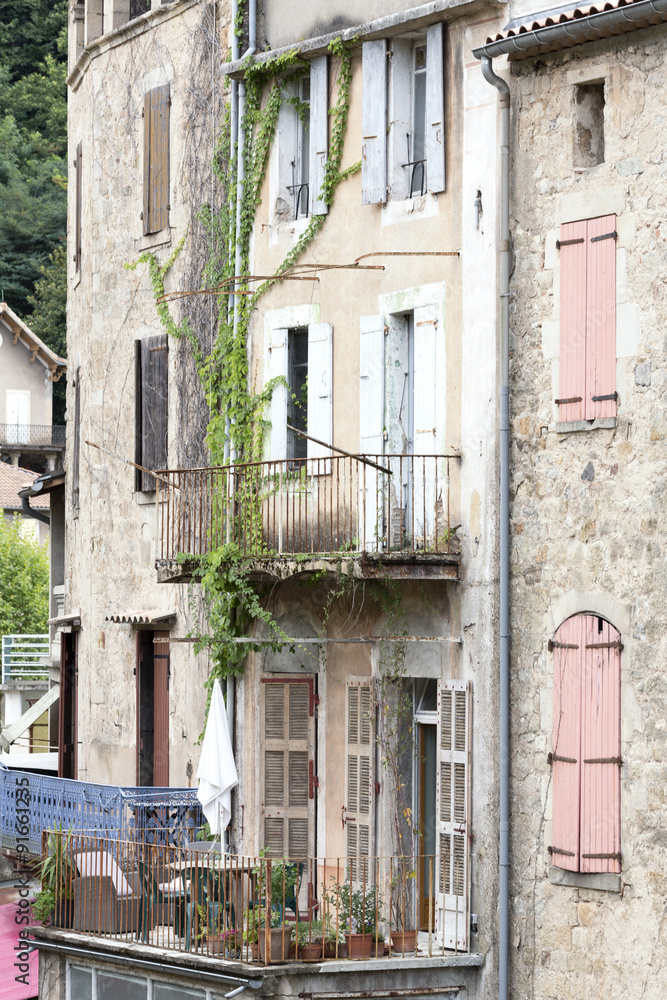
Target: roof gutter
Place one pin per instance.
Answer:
(599, 25)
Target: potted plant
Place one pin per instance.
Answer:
(359, 910)
(251, 932)
(402, 892)
(280, 936)
(310, 941)
(280, 877)
(56, 875)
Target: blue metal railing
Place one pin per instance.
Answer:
(25, 657)
(30, 803)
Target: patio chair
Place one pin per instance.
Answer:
(105, 902)
(160, 902)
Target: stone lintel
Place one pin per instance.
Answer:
(585, 880)
(602, 423)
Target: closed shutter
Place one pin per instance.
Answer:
(572, 362)
(566, 762)
(154, 381)
(374, 123)
(288, 782)
(275, 367)
(359, 784)
(320, 390)
(76, 444)
(78, 209)
(161, 669)
(319, 132)
(156, 159)
(453, 814)
(601, 318)
(435, 109)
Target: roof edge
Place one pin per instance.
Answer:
(23, 332)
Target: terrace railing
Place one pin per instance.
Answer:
(318, 506)
(25, 657)
(33, 435)
(31, 803)
(258, 909)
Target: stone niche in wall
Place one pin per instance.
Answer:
(304, 659)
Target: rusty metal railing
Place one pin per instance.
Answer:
(315, 506)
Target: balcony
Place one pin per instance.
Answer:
(372, 515)
(260, 911)
(25, 658)
(32, 437)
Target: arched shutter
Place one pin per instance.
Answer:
(566, 759)
(359, 784)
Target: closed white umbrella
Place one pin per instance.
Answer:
(217, 770)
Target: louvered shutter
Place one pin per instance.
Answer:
(424, 487)
(600, 317)
(73, 472)
(78, 209)
(156, 159)
(371, 424)
(600, 837)
(319, 132)
(566, 774)
(161, 709)
(435, 109)
(453, 814)
(374, 123)
(572, 362)
(288, 787)
(275, 366)
(154, 406)
(320, 391)
(359, 783)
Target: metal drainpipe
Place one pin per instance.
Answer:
(504, 253)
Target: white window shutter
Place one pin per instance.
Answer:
(371, 384)
(320, 388)
(435, 109)
(275, 365)
(319, 132)
(359, 781)
(453, 814)
(426, 324)
(374, 123)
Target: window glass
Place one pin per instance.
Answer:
(297, 409)
(81, 983)
(419, 104)
(110, 987)
(164, 991)
(427, 696)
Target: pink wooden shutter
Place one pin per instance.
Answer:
(600, 836)
(568, 651)
(601, 317)
(572, 380)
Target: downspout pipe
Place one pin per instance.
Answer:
(31, 512)
(504, 261)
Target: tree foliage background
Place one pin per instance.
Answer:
(24, 581)
(33, 168)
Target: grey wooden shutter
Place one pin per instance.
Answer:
(154, 406)
(374, 123)
(156, 159)
(275, 366)
(319, 132)
(359, 784)
(76, 445)
(435, 109)
(287, 752)
(453, 814)
(78, 209)
(320, 389)
(425, 489)
(161, 671)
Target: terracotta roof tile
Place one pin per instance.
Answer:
(12, 479)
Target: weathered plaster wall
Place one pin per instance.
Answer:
(586, 514)
(111, 540)
(17, 373)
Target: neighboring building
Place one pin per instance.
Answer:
(12, 479)
(28, 369)
(588, 470)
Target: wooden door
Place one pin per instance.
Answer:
(67, 722)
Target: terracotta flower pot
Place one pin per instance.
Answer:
(403, 942)
(311, 952)
(359, 945)
(280, 943)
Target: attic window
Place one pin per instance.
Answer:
(589, 124)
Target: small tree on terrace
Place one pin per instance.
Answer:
(24, 581)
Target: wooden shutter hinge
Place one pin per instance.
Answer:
(602, 399)
(572, 399)
(596, 239)
(313, 700)
(612, 857)
(605, 645)
(604, 760)
(568, 243)
(551, 757)
(559, 850)
(313, 780)
(554, 644)
(377, 787)
(141, 216)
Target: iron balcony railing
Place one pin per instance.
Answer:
(315, 506)
(32, 435)
(184, 898)
(31, 803)
(25, 657)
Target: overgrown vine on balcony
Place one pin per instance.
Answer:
(237, 422)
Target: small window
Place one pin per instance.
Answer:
(589, 124)
(155, 216)
(139, 7)
(300, 185)
(417, 140)
(297, 404)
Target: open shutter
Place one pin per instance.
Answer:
(566, 761)
(288, 782)
(435, 109)
(275, 366)
(601, 318)
(572, 363)
(600, 825)
(161, 709)
(156, 159)
(319, 132)
(154, 406)
(423, 513)
(371, 424)
(453, 814)
(320, 389)
(78, 210)
(359, 797)
(374, 123)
